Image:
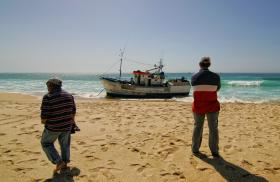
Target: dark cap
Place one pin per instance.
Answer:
(55, 81)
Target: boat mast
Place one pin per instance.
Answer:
(160, 65)
(121, 55)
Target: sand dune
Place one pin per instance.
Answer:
(142, 141)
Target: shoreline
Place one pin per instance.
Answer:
(188, 99)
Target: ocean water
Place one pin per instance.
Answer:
(236, 87)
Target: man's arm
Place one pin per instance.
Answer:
(74, 110)
(194, 80)
(219, 83)
(44, 110)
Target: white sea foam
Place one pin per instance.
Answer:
(184, 99)
(238, 100)
(243, 83)
(223, 100)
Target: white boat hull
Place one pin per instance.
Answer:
(116, 88)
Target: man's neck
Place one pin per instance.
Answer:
(204, 69)
(55, 90)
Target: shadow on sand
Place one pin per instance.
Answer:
(65, 175)
(229, 171)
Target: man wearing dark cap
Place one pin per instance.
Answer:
(205, 85)
(58, 115)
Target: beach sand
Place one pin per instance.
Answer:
(142, 140)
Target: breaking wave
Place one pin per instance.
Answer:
(243, 83)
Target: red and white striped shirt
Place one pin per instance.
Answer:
(205, 86)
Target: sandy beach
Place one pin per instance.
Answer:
(142, 140)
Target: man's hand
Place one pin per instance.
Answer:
(43, 121)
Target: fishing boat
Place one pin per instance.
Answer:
(150, 83)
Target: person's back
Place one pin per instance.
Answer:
(58, 108)
(205, 86)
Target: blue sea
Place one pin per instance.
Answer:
(236, 87)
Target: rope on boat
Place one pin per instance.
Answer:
(107, 71)
(100, 92)
(138, 62)
(127, 60)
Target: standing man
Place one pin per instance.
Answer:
(58, 115)
(205, 86)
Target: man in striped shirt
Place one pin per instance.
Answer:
(57, 114)
(205, 86)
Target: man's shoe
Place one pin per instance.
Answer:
(216, 155)
(60, 165)
(196, 153)
(199, 155)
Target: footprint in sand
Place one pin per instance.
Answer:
(92, 158)
(7, 151)
(179, 174)
(111, 163)
(164, 173)
(152, 126)
(28, 152)
(19, 143)
(2, 134)
(265, 163)
(173, 171)
(73, 147)
(84, 151)
(19, 169)
(259, 145)
(164, 153)
(81, 143)
(28, 133)
(227, 146)
(109, 136)
(140, 168)
(193, 162)
(104, 175)
(11, 162)
(104, 148)
(271, 170)
(245, 162)
(135, 150)
(38, 136)
(29, 160)
(45, 163)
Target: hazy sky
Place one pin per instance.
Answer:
(86, 35)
